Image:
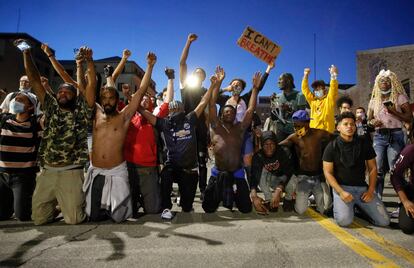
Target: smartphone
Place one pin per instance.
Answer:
(23, 45)
(387, 103)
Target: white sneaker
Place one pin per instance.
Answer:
(395, 213)
(167, 214)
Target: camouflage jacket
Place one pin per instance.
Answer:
(65, 134)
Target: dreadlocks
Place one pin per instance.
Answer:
(396, 90)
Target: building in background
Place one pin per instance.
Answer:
(398, 59)
(11, 60)
(12, 67)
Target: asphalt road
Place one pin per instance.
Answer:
(222, 239)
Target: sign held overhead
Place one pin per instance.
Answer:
(259, 45)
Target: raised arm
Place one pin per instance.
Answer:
(170, 85)
(80, 75)
(33, 75)
(246, 97)
(305, 86)
(132, 107)
(248, 116)
(333, 85)
(91, 76)
(57, 66)
(212, 113)
(183, 60)
(288, 141)
(215, 85)
(118, 70)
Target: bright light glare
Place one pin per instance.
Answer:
(192, 81)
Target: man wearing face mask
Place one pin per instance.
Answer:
(24, 87)
(179, 130)
(308, 143)
(63, 150)
(140, 151)
(388, 109)
(18, 158)
(322, 101)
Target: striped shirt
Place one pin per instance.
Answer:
(18, 144)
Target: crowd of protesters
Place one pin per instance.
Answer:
(136, 149)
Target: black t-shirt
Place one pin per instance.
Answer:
(344, 174)
(180, 139)
(191, 97)
(279, 164)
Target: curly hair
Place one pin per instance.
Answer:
(344, 99)
(396, 90)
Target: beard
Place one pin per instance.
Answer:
(108, 109)
(67, 104)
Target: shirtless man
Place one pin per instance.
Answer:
(308, 146)
(107, 187)
(227, 182)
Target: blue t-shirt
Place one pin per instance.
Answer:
(180, 139)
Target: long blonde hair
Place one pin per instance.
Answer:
(396, 90)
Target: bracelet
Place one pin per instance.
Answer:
(50, 55)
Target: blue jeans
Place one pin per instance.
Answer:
(305, 186)
(269, 182)
(386, 145)
(344, 212)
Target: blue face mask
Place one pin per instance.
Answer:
(16, 107)
(319, 93)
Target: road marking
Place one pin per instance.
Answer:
(374, 257)
(388, 245)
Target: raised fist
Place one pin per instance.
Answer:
(151, 58)
(192, 37)
(213, 79)
(22, 44)
(126, 53)
(306, 71)
(46, 49)
(108, 70)
(87, 53)
(333, 70)
(170, 73)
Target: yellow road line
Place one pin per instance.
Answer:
(374, 257)
(388, 245)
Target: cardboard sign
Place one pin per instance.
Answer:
(259, 45)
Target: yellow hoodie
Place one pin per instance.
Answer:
(322, 110)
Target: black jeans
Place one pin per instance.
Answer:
(202, 155)
(406, 222)
(218, 191)
(16, 191)
(187, 185)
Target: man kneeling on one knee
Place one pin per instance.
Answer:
(344, 162)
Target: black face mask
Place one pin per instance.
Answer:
(69, 104)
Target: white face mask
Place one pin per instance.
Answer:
(386, 92)
(16, 107)
(237, 90)
(319, 93)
